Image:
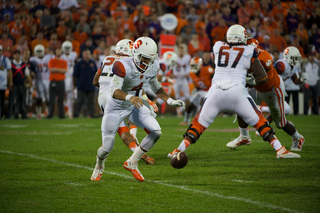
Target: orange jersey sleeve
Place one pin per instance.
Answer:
(273, 79)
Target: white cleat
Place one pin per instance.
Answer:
(239, 141)
(98, 169)
(297, 144)
(133, 168)
(284, 153)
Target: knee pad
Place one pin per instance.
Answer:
(194, 131)
(107, 142)
(265, 130)
(155, 135)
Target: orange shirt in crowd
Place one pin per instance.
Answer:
(57, 63)
(76, 46)
(35, 42)
(218, 33)
(80, 36)
(278, 42)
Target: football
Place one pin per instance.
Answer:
(179, 160)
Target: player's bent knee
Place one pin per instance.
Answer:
(155, 135)
(265, 130)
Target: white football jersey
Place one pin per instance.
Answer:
(232, 63)
(133, 79)
(106, 72)
(286, 72)
(71, 58)
(181, 71)
(42, 71)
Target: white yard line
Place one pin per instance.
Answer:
(185, 188)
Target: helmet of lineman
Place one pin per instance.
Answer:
(145, 52)
(39, 50)
(292, 56)
(170, 58)
(236, 34)
(66, 47)
(196, 64)
(124, 47)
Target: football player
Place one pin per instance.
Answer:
(129, 74)
(272, 93)
(290, 67)
(168, 62)
(181, 75)
(102, 79)
(42, 78)
(228, 92)
(69, 56)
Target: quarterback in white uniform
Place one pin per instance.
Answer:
(102, 79)
(70, 56)
(228, 92)
(42, 77)
(129, 74)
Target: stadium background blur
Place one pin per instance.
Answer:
(100, 24)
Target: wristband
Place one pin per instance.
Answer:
(169, 101)
(128, 97)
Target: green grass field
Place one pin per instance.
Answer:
(46, 166)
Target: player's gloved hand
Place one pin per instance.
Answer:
(304, 77)
(176, 103)
(155, 107)
(250, 81)
(171, 80)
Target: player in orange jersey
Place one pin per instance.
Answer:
(272, 93)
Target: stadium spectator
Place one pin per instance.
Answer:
(57, 68)
(39, 40)
(84, 72)
(17, 100)
(54, 43)
(47, 21)
(7, 44)
(311, 86)
(5, 79)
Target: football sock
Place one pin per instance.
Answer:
(184, 145)
(136, 156)
(296, 135)
(275, 143)
(133, 130)
(244, 132)
(133, 146)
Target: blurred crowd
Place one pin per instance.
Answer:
(98, 25)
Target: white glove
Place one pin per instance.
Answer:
(250, 80)
(176, 103)
(304, 77)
